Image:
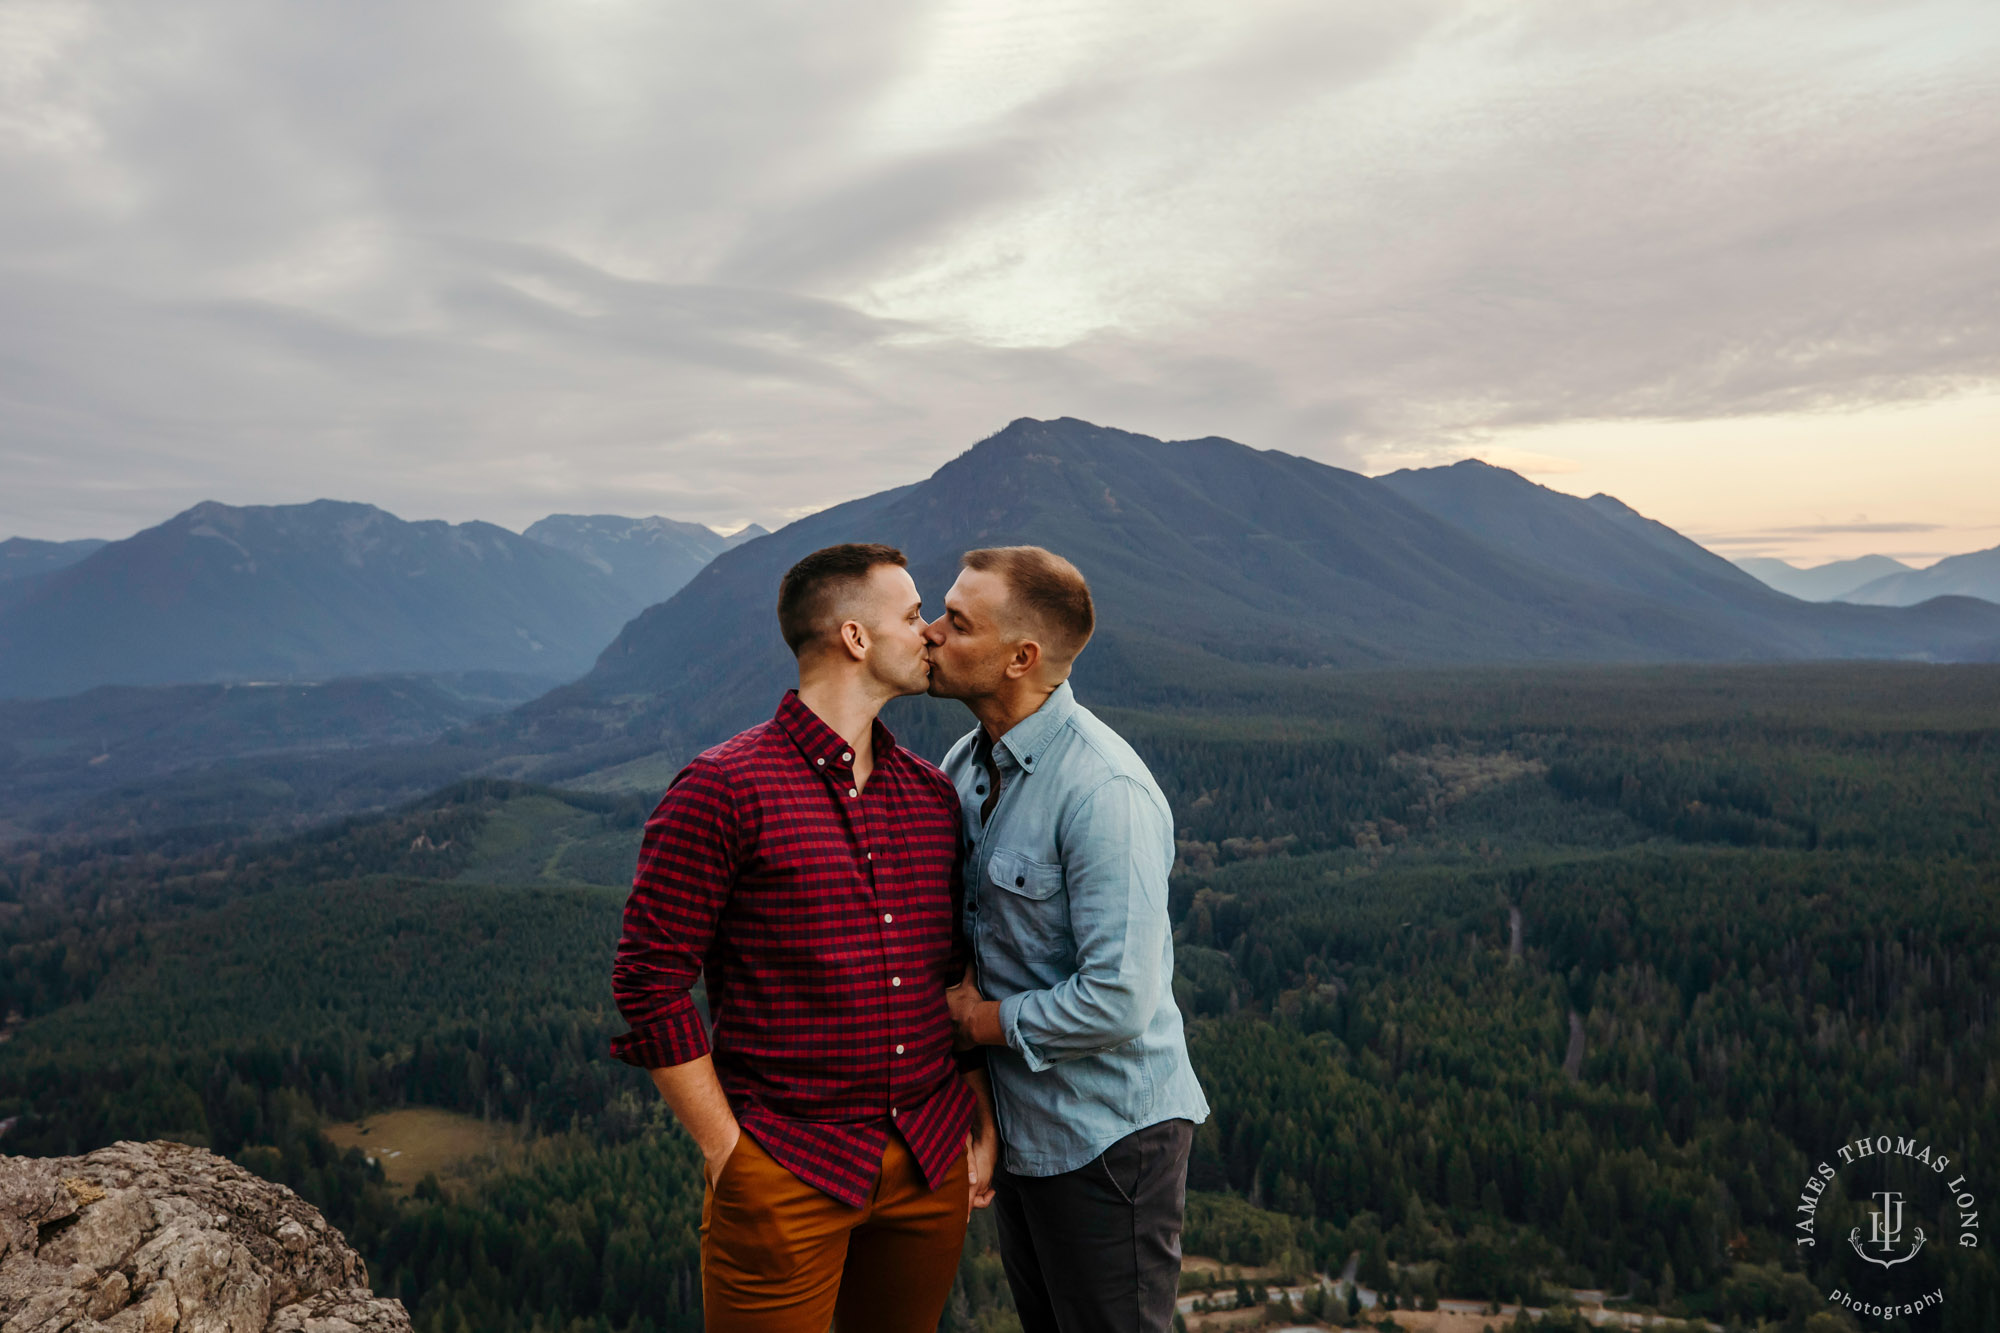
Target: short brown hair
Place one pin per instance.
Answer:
(813, 589)
(1047, 590)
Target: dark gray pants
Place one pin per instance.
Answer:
(1098, 1249)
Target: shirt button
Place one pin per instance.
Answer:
(846, 758)
(854, 791)
(895, 981)
(871, 856)
(899, 1049)
(892, 1113)
(821, 761)
(887, 917)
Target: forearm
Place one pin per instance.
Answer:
(696, 1098)
(1082, 1015)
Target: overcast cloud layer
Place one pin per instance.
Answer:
(731, 262)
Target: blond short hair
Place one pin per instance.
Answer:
(1045, 590)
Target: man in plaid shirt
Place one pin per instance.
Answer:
(808, 869)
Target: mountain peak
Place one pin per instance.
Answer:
(651, 558)
(1058, 434)
(1463, 472)
(211, 509)
(1971, 574)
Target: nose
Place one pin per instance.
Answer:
(934, 632)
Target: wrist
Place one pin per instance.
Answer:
(985, 1025)
(723, 1143)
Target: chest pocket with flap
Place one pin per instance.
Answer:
(1031, 910)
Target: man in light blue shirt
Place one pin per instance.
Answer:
(1068, 846)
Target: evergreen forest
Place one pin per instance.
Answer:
(1503, 985)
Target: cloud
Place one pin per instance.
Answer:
(1811, 529)
(466, 259)
(1775, 537)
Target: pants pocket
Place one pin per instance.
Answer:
(1123, 1163)
(742, 1230)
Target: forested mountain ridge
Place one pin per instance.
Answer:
(1220, 572)
(305, 592)
(224, 752)
(1599, 540)
(1210, 560)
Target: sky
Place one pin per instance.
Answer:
(1738, 265)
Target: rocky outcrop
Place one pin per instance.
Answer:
(164, 1238)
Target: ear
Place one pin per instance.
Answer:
(1027, 656)
(854, 640)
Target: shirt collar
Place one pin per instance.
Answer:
(1026, 739)
(822, 746)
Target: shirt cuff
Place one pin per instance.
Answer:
(677, 1038)
(1010, 1025)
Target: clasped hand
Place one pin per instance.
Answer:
(975, 1020)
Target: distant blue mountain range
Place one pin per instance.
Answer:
(329, 589)
(1876, 580)
(1206, 555)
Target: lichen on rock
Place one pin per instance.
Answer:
(165, 1238)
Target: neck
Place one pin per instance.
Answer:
(848, 702)
(1014, 703)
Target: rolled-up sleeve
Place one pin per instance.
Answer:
(1116, 878)
(687, 866)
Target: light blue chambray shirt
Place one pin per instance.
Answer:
(1066, 907)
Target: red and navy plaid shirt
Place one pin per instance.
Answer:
(826, 917)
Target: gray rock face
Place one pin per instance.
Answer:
(153, 1237)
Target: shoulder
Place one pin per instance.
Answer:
(1100, 765)
(1097, 754)
(728, 757)
(721, 771)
